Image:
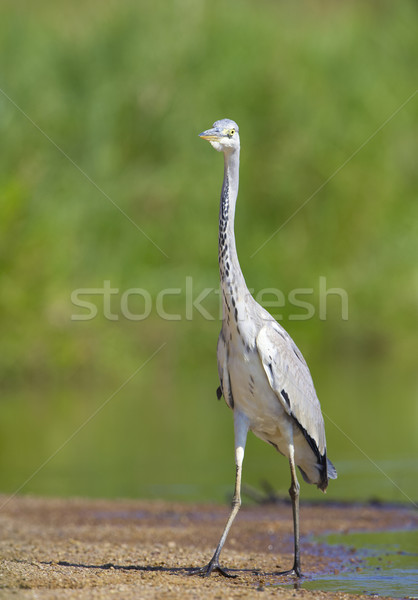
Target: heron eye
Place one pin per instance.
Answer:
(232, 131)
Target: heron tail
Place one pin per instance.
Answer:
(332, 471)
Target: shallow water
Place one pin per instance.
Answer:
(389, 564)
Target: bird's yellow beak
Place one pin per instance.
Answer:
(212, 135)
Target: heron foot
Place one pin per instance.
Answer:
(295, 570)
(209, 568)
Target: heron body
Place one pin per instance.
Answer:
(263, 375)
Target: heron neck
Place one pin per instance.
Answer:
(232, 279)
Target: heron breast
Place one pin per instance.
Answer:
(255, 398)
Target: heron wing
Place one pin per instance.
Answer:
(291, 381)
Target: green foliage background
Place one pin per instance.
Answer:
(101, 167)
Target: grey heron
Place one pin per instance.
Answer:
(263, 376)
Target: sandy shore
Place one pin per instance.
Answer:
(55, 548)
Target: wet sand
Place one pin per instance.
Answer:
(77, 549)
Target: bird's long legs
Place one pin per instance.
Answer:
(241, 430)
(236, 503)
(294, 495)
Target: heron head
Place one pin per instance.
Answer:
(223, 136)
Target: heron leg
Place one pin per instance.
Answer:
(241, 430)
(294, 495)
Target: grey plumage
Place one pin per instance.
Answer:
(263, 376)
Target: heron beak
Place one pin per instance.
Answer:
(212, 135)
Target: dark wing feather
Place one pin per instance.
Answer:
(290, 379)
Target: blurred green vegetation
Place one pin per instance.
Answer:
(100, 107)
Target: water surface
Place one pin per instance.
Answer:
(389, 564)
